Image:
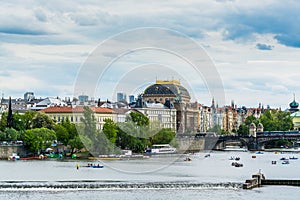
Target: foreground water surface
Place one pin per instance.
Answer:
(159, 177)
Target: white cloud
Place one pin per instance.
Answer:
(55, 38)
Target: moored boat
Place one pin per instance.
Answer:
(161, 149)
(14, 157)
(40, 157)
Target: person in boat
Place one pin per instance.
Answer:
(187, 159)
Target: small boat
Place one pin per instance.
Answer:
(274, 162)
(14, 157)
(285, 162)
(253, 156)
(293, 158)
(234, 158)
(283, 158)
(94, 166)
(97, 166)
(259, 152)
(187, 159)
(236, 164)
(207, 155)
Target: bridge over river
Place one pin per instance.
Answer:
(210, 141)
(258, 142)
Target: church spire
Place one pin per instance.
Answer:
(213, 103)
(10, 119)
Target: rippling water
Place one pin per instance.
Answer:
(160, 177)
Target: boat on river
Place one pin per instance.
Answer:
(40, 157)
(293, 158)
(237, 164)
(94, 166)
(14, 157)
(161, 149)
(187, 159)
(285, 162)
(235, 148)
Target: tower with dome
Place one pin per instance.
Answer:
(295, 114)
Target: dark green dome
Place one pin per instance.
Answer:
(294, 104)
(166, 90)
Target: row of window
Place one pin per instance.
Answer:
(71, 118)
(77, 118)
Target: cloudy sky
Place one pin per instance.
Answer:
(253, 45)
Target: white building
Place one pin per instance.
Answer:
(157, 112)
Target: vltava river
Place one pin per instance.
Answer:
(159, 177)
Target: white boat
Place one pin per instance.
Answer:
(14, 157)
(235, 148)
(161, 149)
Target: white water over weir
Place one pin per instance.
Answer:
(12, 185)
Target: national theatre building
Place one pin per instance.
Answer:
(172, 92)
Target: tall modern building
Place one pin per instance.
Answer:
(131, 98)
(83, 98)
(28, 96)
(121, 97)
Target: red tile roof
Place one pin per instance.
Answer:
(77, 109)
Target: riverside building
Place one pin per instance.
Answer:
(165, 92)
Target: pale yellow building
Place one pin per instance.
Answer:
(59, 113)
(296, 120)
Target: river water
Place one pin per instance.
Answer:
(159, 177)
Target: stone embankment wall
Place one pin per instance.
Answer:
(8, 150)
(190, 144)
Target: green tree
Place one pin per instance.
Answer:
(223, 132)
(89, 122)
(110, 130)
(136, 132)
(139, 119)
(18, 122)
(12, 134)
(216, 129)
(274, 120)
(251, 119)
(164, 136)
(41, 120)
(62, 134)
(3, 121)
(243, 130)
(38, 139)
(283, 120)
(94, 140)
(74, 139)
(28, 118)
(75, 143)
(3, 136)
(66, 133)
